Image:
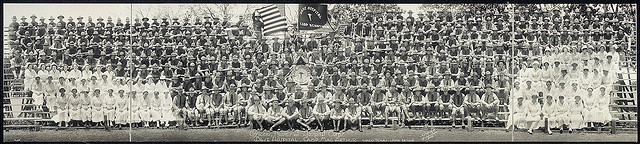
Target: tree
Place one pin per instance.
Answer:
(344, 13)
(193, 10)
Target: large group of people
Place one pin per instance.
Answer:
(568, 88)
(433, 66)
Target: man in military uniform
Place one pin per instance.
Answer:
(472, 103)
(321, 112)
(489, 103)
(274, 114)
(457, 106)
(292, 115)
(378, 103)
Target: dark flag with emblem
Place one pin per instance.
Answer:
(312, 16)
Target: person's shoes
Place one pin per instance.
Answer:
(561, 131)
(360, 129)
(550, 133)
(530, 132)
(570, 130)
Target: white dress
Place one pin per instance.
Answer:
(135, 107)
(533, 112)
(75, 107)
(167, 113)
(97, 110)
(122, 110)
(145, 109)
(155, 111)
(62, 113)
(110, 107)
(549, 111)
(576, 116)
(562, 114)
(603, 115)
(29, 78)
(519, 115)
(38, 91)
(590, 109)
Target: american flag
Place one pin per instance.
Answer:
(273, 22)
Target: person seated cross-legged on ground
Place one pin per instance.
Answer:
(292, 115)
(306, 112)
(353, 115)
(257, 113)
(321, 112)
(274, 114)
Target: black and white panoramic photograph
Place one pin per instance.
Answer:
(323, 72)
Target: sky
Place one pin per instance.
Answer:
(116, 10)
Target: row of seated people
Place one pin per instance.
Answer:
(568, 108)
(407, 103)
(574, 22)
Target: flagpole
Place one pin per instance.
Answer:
(286, 31)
